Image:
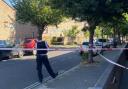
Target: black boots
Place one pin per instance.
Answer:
(56, 74)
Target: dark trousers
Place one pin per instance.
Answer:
(43, 59)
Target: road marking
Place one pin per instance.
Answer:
(44, 87)
(62, 72)
(32, 85)
(4, 60)
(49, 79)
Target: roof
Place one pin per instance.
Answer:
(7, 4)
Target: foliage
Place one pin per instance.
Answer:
(107, 29)
(72, 32)
(94, 12)
(38, 12)
(86, 34)
(85, 56)
(98, 32)
(124, 29)
(57, 41)
(124, 26)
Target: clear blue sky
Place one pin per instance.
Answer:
(8, 1)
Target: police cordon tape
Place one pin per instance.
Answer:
(65, 49)
(112, 62)
(76, 49)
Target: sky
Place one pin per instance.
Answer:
(8, 1)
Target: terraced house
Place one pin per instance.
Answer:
(7, 18)
(65, 26)
(10, 29)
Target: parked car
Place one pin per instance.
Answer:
(102, 43)
(114, 41)
(111, 41)
(6, 54)
(29, 43)
(17, 53)
(84, 46)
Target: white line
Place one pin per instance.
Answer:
(32, 85)
(36, 84)
(49, 79)
(64, 72)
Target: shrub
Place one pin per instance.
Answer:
(85, 56)
(57, 41)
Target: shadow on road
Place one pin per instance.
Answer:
(17, 74)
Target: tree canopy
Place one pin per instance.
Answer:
(94, 12)
(38, 12)
(71, 32)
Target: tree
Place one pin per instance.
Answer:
(117, 26)
(72, 33)
(123, 30)
(94, 12)
(86, 34)
(98, 32)
(106, 28)
(37, 12)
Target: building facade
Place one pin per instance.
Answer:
(7, 19)
(14, 31)
(23, 31)
(65, 26)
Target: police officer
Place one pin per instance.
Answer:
(42, 58)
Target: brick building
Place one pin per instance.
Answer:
(58, 31)
(12, 30)
(7, 18)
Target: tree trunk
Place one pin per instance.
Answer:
(119, 36)
(114, 37)
(91, 35)
(41, 29)
(122, 38)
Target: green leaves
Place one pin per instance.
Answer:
(72, 32)
(37, 12)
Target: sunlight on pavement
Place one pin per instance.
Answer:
(50, 55)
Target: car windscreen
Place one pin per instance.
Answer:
(2, 42)
(102, 40)
(85, 43)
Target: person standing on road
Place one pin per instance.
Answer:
(42, 58)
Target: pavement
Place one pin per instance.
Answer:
(82, 76)
(124, 79)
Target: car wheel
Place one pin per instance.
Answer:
(10, 56)
(34, 52)
(21, 54)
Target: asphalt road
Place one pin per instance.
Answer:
(20, 73)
